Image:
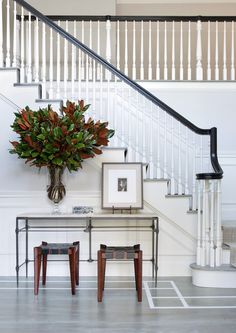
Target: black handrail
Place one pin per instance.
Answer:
(129, 18)
(212, 132)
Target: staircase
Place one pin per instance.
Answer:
(183, 176)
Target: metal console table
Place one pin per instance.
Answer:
(26, 223)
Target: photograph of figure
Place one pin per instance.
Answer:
(122, 184)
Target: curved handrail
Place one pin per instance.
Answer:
(212, 132)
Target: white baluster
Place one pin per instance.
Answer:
(209, 51)
(73, 64)
(218, 225)
(150, 51)
(51, 65)
(158, 52)
(1, 35)
(82, 53)
(158, 144)
(14, 61)
(29, 58)
(108, 40)
(8, 40)
(134, 52)
(165, 146)
(181, 66)
(199, 69)
(94, 91)
(65, 64)
(98, 50)
(224, 55)
(199, 224)
(186, 162)
(79, 76)
(189, 52)
(232, 71)
(36, 50)
(91, 47)
(172, 191)
(217, 54)
(126, 49)
(201, 154)
(204, 221)
(58, 63)
(87, 80)
(151, 142)
(118, 45)
(143, 129)
(173, 52)
(43, 61)
(141, 55)
(165, 53)
(180, 191)
(22, 49)
(137, 134)
(194, 198)
(212, 216)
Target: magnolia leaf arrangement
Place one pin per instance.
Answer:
(64, 140)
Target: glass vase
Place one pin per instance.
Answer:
(56, 190)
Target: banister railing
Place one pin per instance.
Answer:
(171, 145)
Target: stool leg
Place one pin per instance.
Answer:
(100, 286)
(44, 269)
(72, 259)
(37, 266)
(104, 262)
(77, 267)
(139, 275)
(136, 272)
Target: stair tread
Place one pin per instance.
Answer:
(157, 180)
(178, 196)
(49, 100)
(9, 68)
(222, 268)
(27, 85)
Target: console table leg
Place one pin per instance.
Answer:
(153, 242)
(156, 257)
(17, 252)
(26, 247)
(90, 240)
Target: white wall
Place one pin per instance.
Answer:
(75, 7)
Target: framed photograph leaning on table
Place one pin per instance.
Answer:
(122, 185)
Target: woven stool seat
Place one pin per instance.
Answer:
(119, 253)
(57, 248)
(41, 253)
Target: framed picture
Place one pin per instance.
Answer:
(122, 185)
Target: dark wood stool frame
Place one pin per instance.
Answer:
(73, 252)
(101, 266)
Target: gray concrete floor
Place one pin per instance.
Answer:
(175, 306)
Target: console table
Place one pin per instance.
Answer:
(29, 222)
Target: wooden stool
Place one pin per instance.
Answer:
(119, 253)
(41, 252)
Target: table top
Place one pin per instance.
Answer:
(95, 215)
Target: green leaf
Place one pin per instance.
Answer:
(35, 153)
(71, 127)
(57, 161)
(41, 137)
